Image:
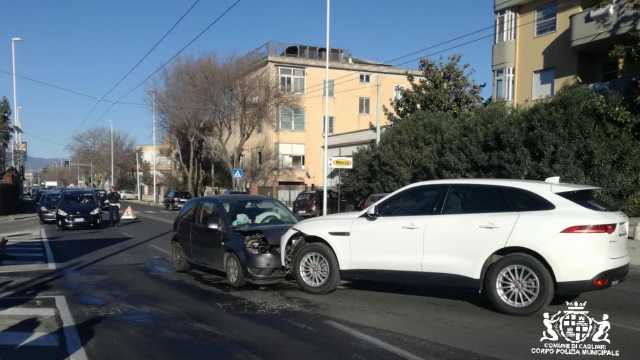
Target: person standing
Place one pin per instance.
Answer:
(114, 207)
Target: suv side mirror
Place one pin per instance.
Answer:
(372, 212)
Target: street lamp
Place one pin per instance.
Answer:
(16, 121)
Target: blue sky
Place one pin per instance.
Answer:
(87, 45)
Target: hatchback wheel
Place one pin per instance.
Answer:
(178, 258)
(316, 269)
(233, 269)
(519, 284)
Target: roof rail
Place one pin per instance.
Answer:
(552, 180)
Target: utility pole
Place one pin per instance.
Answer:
(78, 167)
(378, 109)
(155, 149)
(111, 128)
(16, 118)
(325, 159)
(138, 174)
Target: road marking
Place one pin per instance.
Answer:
(45, 241)
(29, 254)
(150, 211)
(26, 311)
(160, 249)
(74, 346)
(374, 341)
(22, 338)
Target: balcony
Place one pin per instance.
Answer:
(598, 26)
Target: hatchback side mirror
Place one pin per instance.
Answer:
(213, 226)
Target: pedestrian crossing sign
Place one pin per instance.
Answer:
(237, 173)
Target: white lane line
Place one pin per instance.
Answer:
(24, 311)
(75, 349)
(374, 341)
(150, 211)
(51, 263)
(22, 338)
(160, 249)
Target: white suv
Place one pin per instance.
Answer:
(519, 242)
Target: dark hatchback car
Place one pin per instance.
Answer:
(174, 200)
(237, 234)
(48, 206)
(309, 203)
(78, 209)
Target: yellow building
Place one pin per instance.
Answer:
(542, 45)
(358, 89)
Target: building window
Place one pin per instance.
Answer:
(259, 158)
(291, 156)
(329, 88)
(503, 84)
(291, 80)
(543, 83)
(363, 106)
(505, 25)
(330, 124)
(291, 118)
(397, 92)
(365, 78)
(546, 19)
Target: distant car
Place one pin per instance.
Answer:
(77, 209)
(174, 200)
(372, 199)
(48, 206)
(519, 242)
(309, 203)
(128, 195)
(238, 234)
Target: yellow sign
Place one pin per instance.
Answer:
(341, 162)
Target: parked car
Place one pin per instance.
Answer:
(128, 195)
(48, 206)
(174, 200)
(237, 234)
(77, 209)
(371, 199)
(309, 203)
(518, 242)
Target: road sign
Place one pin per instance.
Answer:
(237, 173)
(341, 162)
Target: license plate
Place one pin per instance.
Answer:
(615, 282)
(78, 220)
(302, 211)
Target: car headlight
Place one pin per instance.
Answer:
(43, 209)
(256, 244)
(62, 213)
(95, 211)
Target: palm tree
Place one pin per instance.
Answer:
(5, 130)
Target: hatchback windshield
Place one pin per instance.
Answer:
(78, 199)
(251, 212)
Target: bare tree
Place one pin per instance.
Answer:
(93, 146)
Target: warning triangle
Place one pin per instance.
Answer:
(128, 214)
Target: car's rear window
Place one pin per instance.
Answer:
(590, 199)
(183, 194)
(304, 196)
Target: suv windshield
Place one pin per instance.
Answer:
(78, 199)
(590, 199)
(249, 212)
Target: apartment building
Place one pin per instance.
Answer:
(542, 45)
(357, 91)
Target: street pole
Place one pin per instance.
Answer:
(153, 121)
(78, 166)
(93, 180)
(111, 128)
(138, 174)
(378, 109)
(16, 118)
(325, 165)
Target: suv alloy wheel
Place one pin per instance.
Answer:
(518, 284)
(316, 269)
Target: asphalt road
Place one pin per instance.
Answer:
(112, 294)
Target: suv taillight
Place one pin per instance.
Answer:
(590, 229)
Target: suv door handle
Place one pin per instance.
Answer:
(410, 227)
(488, 226)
